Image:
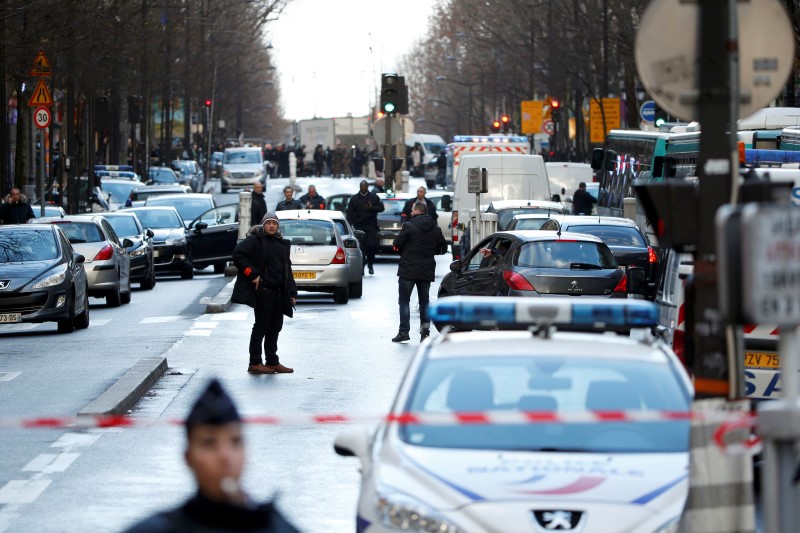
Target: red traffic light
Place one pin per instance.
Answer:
(555, 104)
(496, 126)
(208, 103)
(504, 119)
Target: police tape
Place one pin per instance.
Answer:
(407, 418)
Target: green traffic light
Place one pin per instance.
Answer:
(660, 122)
(389, 107)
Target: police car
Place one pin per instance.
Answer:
(550, 429)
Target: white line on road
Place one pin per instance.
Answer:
(159, 319)
(197, 333)
(11, 328)
(23, 490)
(51, 462)
(8, 376)
(205, 325)
(73, 440)
(99, 322)
(238, 315)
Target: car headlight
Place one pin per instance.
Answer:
(140, 251)
(51, 280)
(402, 512)
(257, 173)
(175, 241)
(671, 526)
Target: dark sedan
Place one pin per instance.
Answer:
(390, 223)
(170, 239)
(42, 278)
(626, 241)
(213, 236)
(127, 225)
(536, 263)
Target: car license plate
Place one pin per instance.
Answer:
(388, 242)
(762, 360)
(305, 275)
(10, 318)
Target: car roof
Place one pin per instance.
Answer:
(583, 220)
(522, 216)
(74, 218)
(184, 196)
(111, 179)
(539, 235)
(159, 188)
(156, 208)
(307, 214)
(505, 204)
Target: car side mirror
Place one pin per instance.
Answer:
(78, 258)
(149, 233)
(447, 202)
(557, 198)
(200, 226)
(637, 281)
(350, 243)
(127, 243)
(455, 266)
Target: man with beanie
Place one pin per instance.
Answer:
(362, 213)
(215, 454)
(419, 242)
(265, 269)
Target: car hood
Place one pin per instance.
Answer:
(20, 274)
(162, 234)
(448, 479)
(243, 167)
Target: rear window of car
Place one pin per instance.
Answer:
(504, 216)
(81, 232)
(125, 226)
(529, 223)
(393, 207)
(20, 246)
(118, 192)
(189, 209)
(548, 384)
(163, 176)
(309, 232)
(563, 253)
(613, 235)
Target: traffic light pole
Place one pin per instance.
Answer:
(388, 156)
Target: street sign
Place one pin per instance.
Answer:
(42, 117)
(612, 114)
(477, 181)
(41, 95)
(395, 133)
(669, 67)
(648, 111)
(41, 66)
(531, 112)
(548, 127)
(770, 255)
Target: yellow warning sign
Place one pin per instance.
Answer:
(41, 95)
(602, 120)
(41, 66)
(532, 111)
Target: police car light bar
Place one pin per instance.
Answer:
(490, 139)
(113, 167)
(756, 156)
(520, 311)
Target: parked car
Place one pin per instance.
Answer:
(508, 209)
(213, 236)
(527, 222)
(117, 191)
(536, 263)
(319, 260)
(171, 249)
(162, 176)
(143, 267)
(42, 278)
(189, 205)
(49, 211)
(623, 237)
(350, 237)
(107, 264)
(138, 195)
(190, 174)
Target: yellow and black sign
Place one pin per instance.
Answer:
(610, 111)
(41, 95)
(41, 66)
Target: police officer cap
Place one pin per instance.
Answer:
(213, 407)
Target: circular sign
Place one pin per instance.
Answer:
(648, 111)
(41, 117)
(669, 69)
(387, 130)
(549, 127)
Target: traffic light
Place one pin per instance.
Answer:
(506, 123)
(496, 125)
(555, 110)
(208, 102)
(661, 116)
(390, 93)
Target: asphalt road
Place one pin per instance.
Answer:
(106, 479)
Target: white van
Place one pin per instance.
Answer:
(510, 177)
(565, 178)
(432, 145)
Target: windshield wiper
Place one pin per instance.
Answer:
(584, 266)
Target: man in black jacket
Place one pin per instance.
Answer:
(215, 454)
(265, 268)
(312, 200)
(406, 214)
(258, 205)
(419, 242)
(16, 209)
(288, 201)
(362, 213)
(582, 201)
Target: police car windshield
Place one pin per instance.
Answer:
(551, 384)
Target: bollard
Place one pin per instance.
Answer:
(245, 203)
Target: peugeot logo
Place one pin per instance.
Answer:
(558, 520)
(4, 283)
(573, 287)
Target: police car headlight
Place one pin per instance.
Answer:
(52, 280)
(670, 527)
(401, 512)
(140, 251)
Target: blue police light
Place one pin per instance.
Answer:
(113, 167)
(756, 156)
(592, 313)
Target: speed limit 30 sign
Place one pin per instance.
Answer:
(42, 117)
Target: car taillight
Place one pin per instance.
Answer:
(651, 255)
(339, 258)
(516, 281)
(622, 286)
(105, 253)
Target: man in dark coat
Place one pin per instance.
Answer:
(419, 242)
(258, 205)
(288, 201)
(215, 454)
(406, 214)
(312, 200)
(265, 268)
(362, 213)
(16, 209)
(582, 201)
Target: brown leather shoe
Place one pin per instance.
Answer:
(260, 369)
(279, 369)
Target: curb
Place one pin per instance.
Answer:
(127, 390)
(222, 301)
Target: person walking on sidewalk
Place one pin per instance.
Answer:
(362, 213)
(216, 456)
(265, 269)
(419, 242)
(258, 205)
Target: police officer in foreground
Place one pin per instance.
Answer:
(362, 213)
(419, 242)
(215, 455)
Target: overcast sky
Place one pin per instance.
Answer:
(330, 54)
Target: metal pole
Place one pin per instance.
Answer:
(211, 118)
(42, 136)
(388, 156)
